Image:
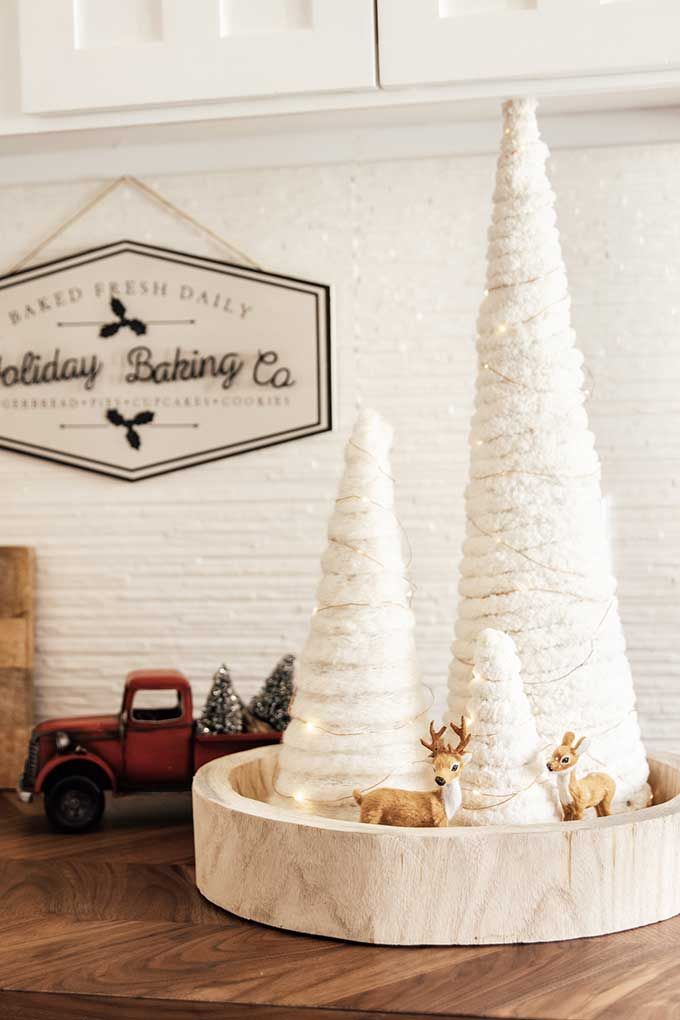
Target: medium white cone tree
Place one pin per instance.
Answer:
(359, 707)
(535, 562)
(506, 782)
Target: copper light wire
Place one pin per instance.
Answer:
(524, 283)
(506, 797)
(312, 725)
(366, 732)
(302, 798)
(520, 552)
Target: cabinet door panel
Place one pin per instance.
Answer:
(96, 54)
(441, 41)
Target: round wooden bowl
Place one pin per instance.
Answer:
(456, 886)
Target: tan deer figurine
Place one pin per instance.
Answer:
(595, 790)
(388, 806)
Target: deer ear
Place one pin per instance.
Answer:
(568, 738)
(582, 745)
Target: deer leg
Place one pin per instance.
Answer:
(372, 816)
(439, 818)
(606, 804)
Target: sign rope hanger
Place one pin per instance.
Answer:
(152, 195)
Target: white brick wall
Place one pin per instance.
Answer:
(221, 562)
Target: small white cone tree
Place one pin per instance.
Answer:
(535, 563)
(506, 782)
(359, 707)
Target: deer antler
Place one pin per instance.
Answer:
(436, 739)
(462, 734)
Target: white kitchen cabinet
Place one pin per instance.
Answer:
(457, 41)
(85, 55)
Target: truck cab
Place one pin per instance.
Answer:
(156, 729)
(151, 744)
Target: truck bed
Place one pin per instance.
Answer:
(208, 746)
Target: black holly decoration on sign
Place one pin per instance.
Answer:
(130, 424)
(111, 328)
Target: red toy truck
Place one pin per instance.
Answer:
(152, 744)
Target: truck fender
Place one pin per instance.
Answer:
(63, 759)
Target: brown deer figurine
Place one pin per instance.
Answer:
(388, 806)
(595, 790)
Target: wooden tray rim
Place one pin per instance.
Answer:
(227, 797)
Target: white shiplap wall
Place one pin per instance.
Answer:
(221, 562)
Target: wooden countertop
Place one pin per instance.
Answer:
(110, 925)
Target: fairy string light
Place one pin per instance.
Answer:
(535, 474)
(529, 589)
(572, 670)
(389, 510)
(507, 796)
(523, 283)
(505, 378)
(580, 665)
(504, 798)
(312, 724)
(304, 798)
(534, 565)
(352, 442)
(361, 605)
(360, 645)
(357, 550)
(504, 731)
(520, 552)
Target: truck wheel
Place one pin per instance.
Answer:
(74, 804)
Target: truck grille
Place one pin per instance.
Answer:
(30, 765)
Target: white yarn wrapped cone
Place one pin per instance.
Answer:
(534, 560)
(360, 707)
(506, 782)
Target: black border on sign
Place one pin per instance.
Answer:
(158, 253)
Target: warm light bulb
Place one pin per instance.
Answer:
(310, 727)
(501, 328)
(298, 797)
(485, 365)
(486, 293)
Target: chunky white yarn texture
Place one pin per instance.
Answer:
(534, 559)
(360, 707)
(506, 782)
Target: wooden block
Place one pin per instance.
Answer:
(17, 624)
(13, 747)
(450, 886)
(17, 707)
(16, 580)
(16, 642)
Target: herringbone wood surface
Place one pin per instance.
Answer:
(110, 925)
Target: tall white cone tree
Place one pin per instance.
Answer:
(535, 560)
(506, 782)
(359, 707)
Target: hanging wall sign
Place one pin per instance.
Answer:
(132, 360)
